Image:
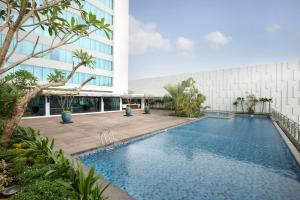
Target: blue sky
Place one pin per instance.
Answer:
(176, 36)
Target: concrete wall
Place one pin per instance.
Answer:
(281, 81)
(120, 51)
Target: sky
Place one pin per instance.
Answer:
(183, 36)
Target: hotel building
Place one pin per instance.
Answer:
(111, 57)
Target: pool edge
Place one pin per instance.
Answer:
(137, 137)
(287, 141)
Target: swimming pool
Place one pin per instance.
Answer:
(241, 158)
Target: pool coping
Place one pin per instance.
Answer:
(287, 141)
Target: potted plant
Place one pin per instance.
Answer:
(147, 106)
(66, 116)
(128, 111)
(66, 105)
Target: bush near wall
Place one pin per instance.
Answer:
(42, 172)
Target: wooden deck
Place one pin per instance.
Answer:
(83, 134)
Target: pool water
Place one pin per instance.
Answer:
(241, 158)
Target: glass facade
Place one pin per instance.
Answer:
(79, 105)
(25, 48)
(111, 103)
(41, 73)
(36, 107)
(108, 3)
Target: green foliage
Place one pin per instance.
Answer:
(18, 166)
(45, 173)
(84, 58)
(21, 79)
(56, 25)
(250, 102)
(184, 98)
(38, 171)
(56, 76)
(45, 189)
(12, 87)
(23, 135)
(85, 185)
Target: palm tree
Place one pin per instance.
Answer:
(255, 101)
(175, 96)
(235, 103)
(241, 101)
(270, 100)
(263, 101)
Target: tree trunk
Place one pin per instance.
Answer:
(19, 109)
(242, 106)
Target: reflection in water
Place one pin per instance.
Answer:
(241, 158)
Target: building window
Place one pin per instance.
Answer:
(79, 104)
(36, 107)
(111, 103)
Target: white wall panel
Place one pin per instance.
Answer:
(281, 81)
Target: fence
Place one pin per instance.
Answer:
(290, 127)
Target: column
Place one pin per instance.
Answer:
(142, 104)
(102, 105)
(121, 104)
(47, 105)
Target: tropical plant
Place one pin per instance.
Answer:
(19, 19)
(235, 103)
(184, 98)
(263, 101)
(85, 185)
(241, 101)
(269, 100)
(251, 102)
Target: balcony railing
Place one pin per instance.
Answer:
(290, 127)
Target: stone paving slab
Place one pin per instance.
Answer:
(83, 134)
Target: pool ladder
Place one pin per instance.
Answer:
(107, 139)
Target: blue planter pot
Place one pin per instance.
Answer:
(66, 117)
(128, 111)
(147, 110)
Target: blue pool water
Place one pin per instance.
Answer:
(240, 159)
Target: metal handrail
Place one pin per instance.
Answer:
(291, 127)
(107, 139)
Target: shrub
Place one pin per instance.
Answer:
(18, 166)
(46, 190)
(22, 134)
(38, 171)
(8, 155)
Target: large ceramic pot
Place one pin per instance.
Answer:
(66, 116)
(128, 111)
(147, 110)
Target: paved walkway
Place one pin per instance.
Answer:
(83, 134)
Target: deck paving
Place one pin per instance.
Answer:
(83, 134)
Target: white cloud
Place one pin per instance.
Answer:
(145, 37)
(272, 28)
(216, 39)
(185, 45)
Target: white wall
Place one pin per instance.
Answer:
(281, 81)
(120, 52)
